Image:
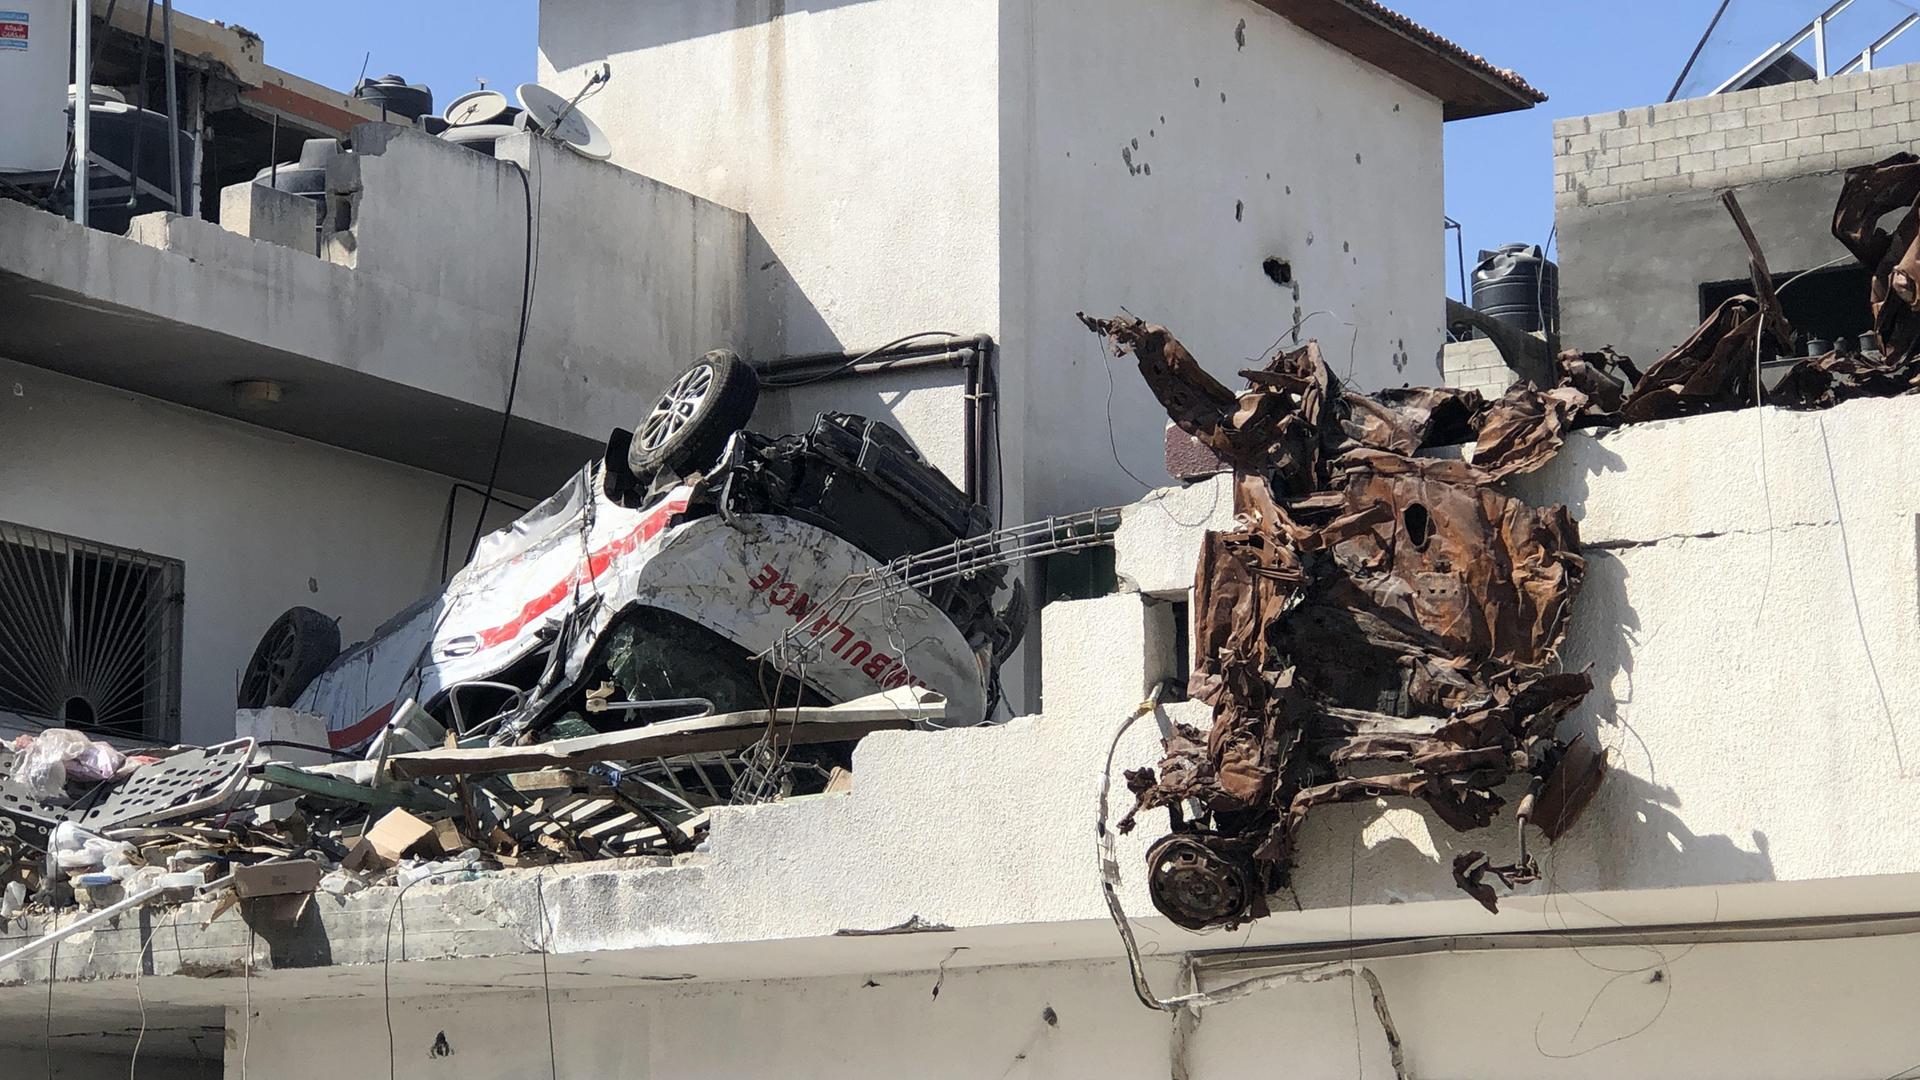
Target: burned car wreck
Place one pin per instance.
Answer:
(677, 576)
(1379, 624)
(1386, 621)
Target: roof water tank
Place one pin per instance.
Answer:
(1516, 284)
(36, 47)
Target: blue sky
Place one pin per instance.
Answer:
(1587, 56)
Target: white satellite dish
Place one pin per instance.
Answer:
(476, 107)
(581, 135)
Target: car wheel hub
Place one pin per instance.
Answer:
(677, 407)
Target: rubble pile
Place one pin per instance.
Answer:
(1385, 621)
(83, 824)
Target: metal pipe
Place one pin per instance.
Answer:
(82, 102)
(800, 361)
(173, 106)
(970, 441)
(77, 925)
(825, 367)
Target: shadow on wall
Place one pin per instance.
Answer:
(781, 319)
(574, 32)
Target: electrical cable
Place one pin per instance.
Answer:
(246, 1007)
(546, 980)
(386, 971)
(1697, 47)
(446, 517)
(133, 1063)
(527, 279)
(53, 965)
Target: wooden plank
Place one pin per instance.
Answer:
(675, 738)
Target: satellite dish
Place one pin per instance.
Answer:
(580, 134)
(476, 107)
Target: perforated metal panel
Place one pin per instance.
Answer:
(180, 785)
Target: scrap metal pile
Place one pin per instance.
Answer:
(1385, 621)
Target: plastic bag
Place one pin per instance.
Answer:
(45, 762)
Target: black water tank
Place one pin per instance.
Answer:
(1517, 285)
(392, 94)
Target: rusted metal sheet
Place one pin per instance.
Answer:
(1719, 366)
(1381, 624)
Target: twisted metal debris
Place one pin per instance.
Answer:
(1381, 623)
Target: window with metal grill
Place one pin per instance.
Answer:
(89, 634)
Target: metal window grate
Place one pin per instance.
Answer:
(89, 634)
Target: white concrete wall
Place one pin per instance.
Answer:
(263, 521)
(1153, 163)
(862, 139)
(1794, 1011)
(983, 1023)
(959, 167)
(634, 278)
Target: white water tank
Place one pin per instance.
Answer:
(36, 49)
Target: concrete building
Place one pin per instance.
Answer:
(1645, 248)
(1251, 172)
(363, 360)
(256, 408)
(1736, 902)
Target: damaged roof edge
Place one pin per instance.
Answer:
(1466, 84)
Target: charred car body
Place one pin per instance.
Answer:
(696, 567)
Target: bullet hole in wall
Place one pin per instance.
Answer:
(1356, 159)
(1223, 97)
(1196, 80)
(1047, 1014)
(1240, 35)
(441, 1047)
(1344, 246)
(1278, 270)
(1136, 144)
(313, 585)
(1239, 210)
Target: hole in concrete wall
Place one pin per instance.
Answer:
(1278, 270)
(1182, 665)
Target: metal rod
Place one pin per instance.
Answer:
(173, 105)
(1782, 48)
(1820, 47)
(82, 102)
(74, 927)
(1865, 60)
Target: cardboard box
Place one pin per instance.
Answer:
(397, 834)
(277, 878)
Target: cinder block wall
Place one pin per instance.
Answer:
(1773, 132)
(1476, 365)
